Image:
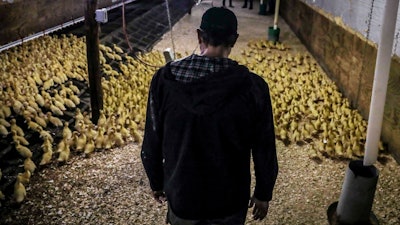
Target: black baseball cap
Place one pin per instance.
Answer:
(219, 20)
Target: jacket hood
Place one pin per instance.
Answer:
(207, 94)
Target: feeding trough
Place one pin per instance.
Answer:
(357, 196)
(263, 8)
(273, 32)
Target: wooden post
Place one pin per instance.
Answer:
(92, 53)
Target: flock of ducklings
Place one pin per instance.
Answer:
(37, 85)
(307, 105)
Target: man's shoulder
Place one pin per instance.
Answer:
(258, 81)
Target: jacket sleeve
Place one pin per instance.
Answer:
(151, 154)
(264, 149)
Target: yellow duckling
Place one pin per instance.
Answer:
(338, 149)
(29, 165)
(132, 126)
(16, 128)
(138, 138)
(3, 130)
(102, 119)
(32, 125)
(46, 157)
(65, 153)
(78, 115)
(54, 120)
(99, 138)
(39, 99)
(29, 108)
(17, 106)
(91, 133)
(19, 191)
(118, 49)
(107, 140)
(125, 132)
(45, 134)
(283, 134)
(73, 87)
(4, 122)
(81, 142)
(22, 150)
(79, 126)
(69, 103)
(117, 138)
(58, 97)
(61, 145)
(56, 110)
(75, 99)
(89, 147)
(6, 109)
(24, 177)
(59, 105)
(48, 84)
(67, 133)
(86, 118)
(40, 120)
(47, 145)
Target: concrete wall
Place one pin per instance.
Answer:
(22, 18)
(349, 59)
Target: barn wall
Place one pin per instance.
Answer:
(349, 59)
(26, 17)
(362, 16)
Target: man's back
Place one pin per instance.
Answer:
(206, 116)
(208, 125)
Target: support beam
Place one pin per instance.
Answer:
(381, 77)
(92, 53)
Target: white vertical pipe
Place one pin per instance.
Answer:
(276, 14)
(381, 77)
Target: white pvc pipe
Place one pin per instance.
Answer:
(381, 78)
(276, 14)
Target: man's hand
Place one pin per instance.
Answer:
(260, 210)
(159, 196)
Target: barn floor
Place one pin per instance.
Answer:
(111, 187)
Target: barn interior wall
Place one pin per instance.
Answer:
(26, 17)
(349, 60)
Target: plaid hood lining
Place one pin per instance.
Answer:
(195, 66)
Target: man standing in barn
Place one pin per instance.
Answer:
(206, 116)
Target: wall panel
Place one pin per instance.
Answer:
(26, 17)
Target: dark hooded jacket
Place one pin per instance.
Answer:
(199, 138)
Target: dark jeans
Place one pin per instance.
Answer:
(230, 2)
(245, 4)
(238, 218)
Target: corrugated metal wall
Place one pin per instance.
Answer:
(363, 16)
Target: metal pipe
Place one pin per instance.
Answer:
(381, 77)
(276, 14)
